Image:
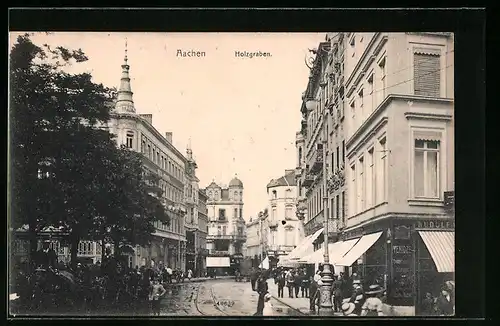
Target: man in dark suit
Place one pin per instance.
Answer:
(46, 257)
(262, 289)
(337, 294)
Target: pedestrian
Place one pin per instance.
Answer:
(290, 283)
(313, 292)
(253, 279)
(189, 274)
(262, 290)
(157, 292)
(428, 305)
(348, 309)
(444, 303)
(357, 297)
(337, 294)
(297, 283)
(372, 306)
(304, 286)
(268, 307)
(281, 284)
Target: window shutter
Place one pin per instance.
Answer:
(427, 74)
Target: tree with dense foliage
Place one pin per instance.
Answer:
(65, 169)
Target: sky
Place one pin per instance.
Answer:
(240, 114)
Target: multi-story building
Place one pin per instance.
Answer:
(399, 159)
(226, 230)
(202, 232)
(258, 238)
(160, 157)
(191, 198)
(320, 137)
(286, 230)
(394, 217)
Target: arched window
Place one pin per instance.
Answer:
(130, 139)
(275, 194)
(210, 194)
(288, 193)
(300, 156)
(235, 195)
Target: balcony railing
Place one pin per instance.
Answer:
(273, 225)
(336, 180)
(308, 180)
(317, 159)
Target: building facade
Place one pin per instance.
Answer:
(394, 177)
(202, 232)
(160, 157)
(258, 237)
(191, 197)
(400, 158)
(226, 229)
(285, 229)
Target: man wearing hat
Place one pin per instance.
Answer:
(348, 309)
(46, 257)
(357, 296)
(373, 305)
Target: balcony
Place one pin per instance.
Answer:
(317, 159)
(308, 180)
(336, 180)
(273, 225)
(219, 237)
(298, 172)
(238, 237)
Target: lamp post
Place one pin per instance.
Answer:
(326, 275)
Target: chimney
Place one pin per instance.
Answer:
(147, 117)
(168, 136)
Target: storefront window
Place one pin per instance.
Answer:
(374, 264)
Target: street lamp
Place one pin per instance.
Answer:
(326, 275)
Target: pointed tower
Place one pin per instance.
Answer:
(125, 103)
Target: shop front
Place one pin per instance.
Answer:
(409, 258)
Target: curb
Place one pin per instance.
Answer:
(286, 304)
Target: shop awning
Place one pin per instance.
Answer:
(285, 262)
(361, 246)
(305, 247)
(441, 246)
(335, 251)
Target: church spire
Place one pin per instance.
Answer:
(124, 101)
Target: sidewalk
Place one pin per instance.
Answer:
(299, 304)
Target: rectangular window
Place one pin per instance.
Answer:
(288, 213)
(235, 213)
(332, 207)
(353, 198)
(222, 214)
(361, 181)
(338, 159)
(371, 99)
(370, 173)
(343, 152)
(383, 71)
(353, 116)
(426, 168)
(343, 206)
(382, 172)
(224, 230)
(241, 212)
(427, 74)
(289, 237)
(333, 162)
(337, 206)
(274, 216)
(143, 146)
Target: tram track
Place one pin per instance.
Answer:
(214, 303)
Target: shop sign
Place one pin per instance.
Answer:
(402, 267)
(435, 225)
(402, 232)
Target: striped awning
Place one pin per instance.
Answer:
(441, 246)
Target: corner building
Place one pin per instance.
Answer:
(226, 230)
(160, 157)
(399, 161)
